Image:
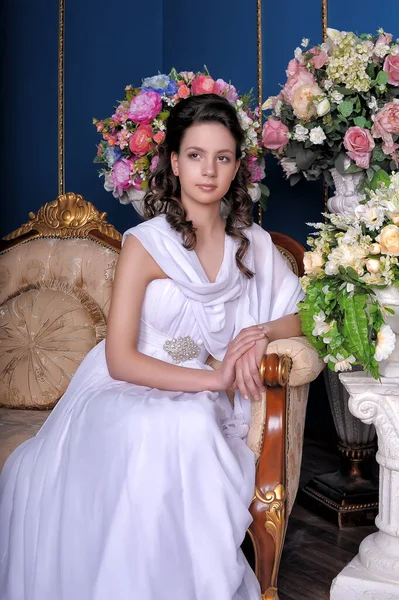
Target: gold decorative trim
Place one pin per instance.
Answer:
(284, 369)
(260, 74)
(61, 46)
(270, 594)
(339, 507)
(275, 525)
(67, 216)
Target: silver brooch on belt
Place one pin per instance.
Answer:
(182, 349)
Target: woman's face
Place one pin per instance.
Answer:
(206, 163)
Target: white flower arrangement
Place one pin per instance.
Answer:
(354, 256)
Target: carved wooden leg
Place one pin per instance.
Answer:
(269, 524)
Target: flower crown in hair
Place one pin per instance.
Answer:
(132, 135)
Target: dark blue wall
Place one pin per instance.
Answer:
(28, 108)
(109, 45)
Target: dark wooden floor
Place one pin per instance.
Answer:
(315, 550)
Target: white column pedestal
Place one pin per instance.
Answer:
(374, 573)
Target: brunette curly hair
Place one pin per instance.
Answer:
(163, 196)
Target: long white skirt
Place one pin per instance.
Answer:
(127, 493)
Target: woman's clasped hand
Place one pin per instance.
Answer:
(239, 369)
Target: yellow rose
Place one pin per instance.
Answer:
(313, 262)
(395, 219)
(303, 100)
(389, 240)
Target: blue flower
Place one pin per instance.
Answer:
(112, 155)
(161, 84)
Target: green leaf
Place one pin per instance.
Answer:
(382, 78)
(380, 175)
(264, 190)
(360, 121)
(378, 154)
(346, 108)
(305, 158)
(295, 178)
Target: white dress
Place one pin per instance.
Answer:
(132, 493)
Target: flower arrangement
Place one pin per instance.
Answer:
(340, 102)
(131, 136)
(353, 262)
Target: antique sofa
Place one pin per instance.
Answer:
(56, 274)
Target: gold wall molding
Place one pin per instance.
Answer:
(61, 128)
(259, 50)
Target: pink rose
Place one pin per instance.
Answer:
(359, 143)
(389, 149)
(225, 89)
(386, 123)
(301, 77)
(391, 66)
(121, 174)
(183, 91)
(145, 107)
(319, 57)
(141, 140)
(274, 135)
(159, 137)
(202, 85)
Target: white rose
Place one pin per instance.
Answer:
(289, 165)
(328, 84)
(337, 97)
(305, 42)
(313, 263)
(373, 265)
(323, 107)
(301, 134)
(254, 192)
(317, 135)
(375, 249)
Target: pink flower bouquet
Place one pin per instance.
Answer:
(131, 136)
(340, 102)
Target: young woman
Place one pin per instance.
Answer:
(138, 485)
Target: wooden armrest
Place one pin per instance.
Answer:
(268, 510)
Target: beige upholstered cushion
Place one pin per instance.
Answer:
(85, 263)
(306, 363)
(17, 426)
(46, 329)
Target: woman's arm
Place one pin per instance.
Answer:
(247, 379)
(135, 270)
(285, 327)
